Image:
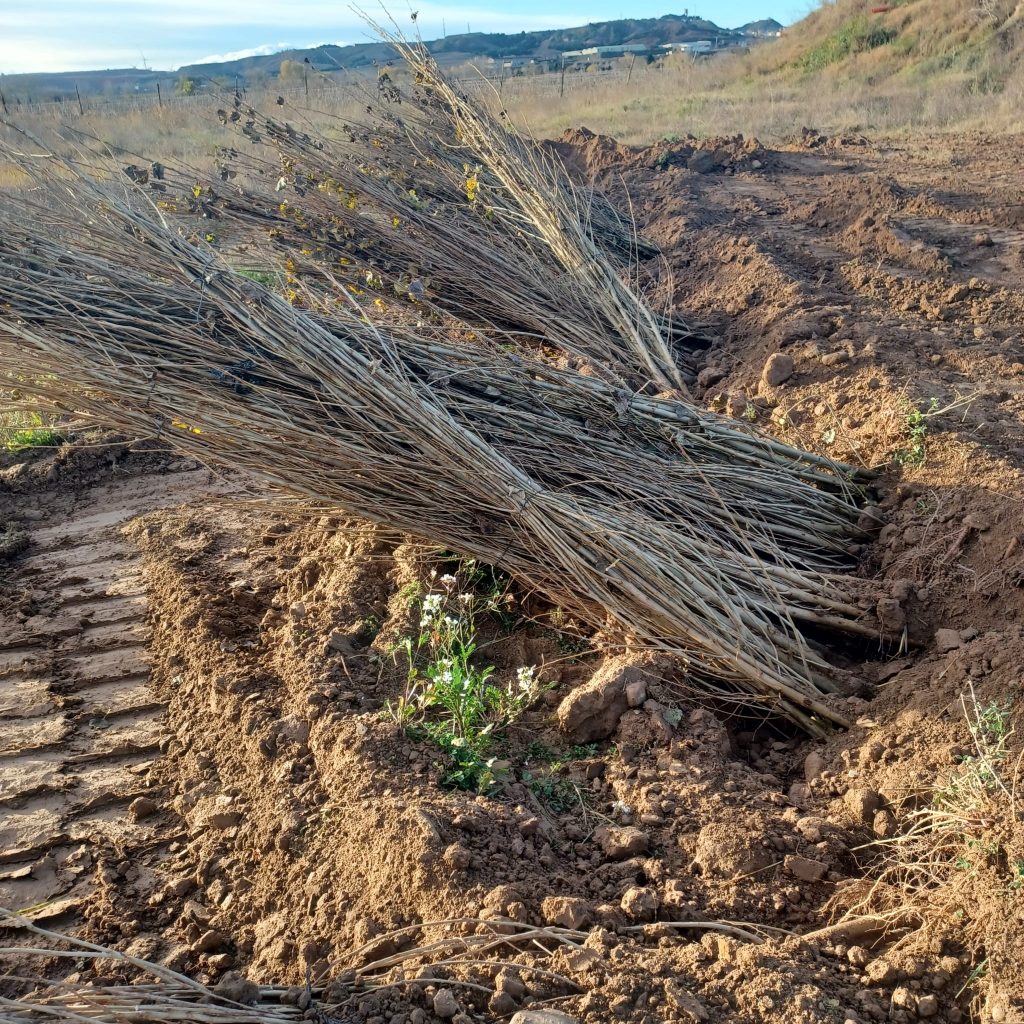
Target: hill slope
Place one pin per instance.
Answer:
(909, 39)
(453, 49)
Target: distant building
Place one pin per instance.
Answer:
(606, 52)
(696, 46)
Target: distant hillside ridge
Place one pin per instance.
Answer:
(452, 49)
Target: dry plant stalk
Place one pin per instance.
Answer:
(955, 871)
(534, 187)
(168, 997)
(694, 533)
(158, 994)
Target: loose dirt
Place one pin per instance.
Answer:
(194, 761)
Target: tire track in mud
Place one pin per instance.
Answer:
(80, 726)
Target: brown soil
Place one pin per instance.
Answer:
(194, 764)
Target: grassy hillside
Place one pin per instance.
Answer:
(922, 64)
(980, 41)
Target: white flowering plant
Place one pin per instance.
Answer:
(449, 696)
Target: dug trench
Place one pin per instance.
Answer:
(262, 813)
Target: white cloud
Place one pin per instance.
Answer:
(252, 51)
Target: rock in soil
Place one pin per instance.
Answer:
(619, 843)
(567, 912)
(543, 1017)
(592, 711)
(445, 1004)
(777, 369)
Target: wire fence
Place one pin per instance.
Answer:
(320, 87)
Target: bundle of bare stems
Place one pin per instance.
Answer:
(690, 532)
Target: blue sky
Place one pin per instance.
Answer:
(68, 35)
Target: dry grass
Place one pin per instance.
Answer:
(949, 66)
(725, 96)
(733, 95)
(955, 871)
(156, 994)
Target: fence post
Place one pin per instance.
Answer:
(81, 109)
(159, 97)
(305, 81)
(3, 103)
(630, 74)
(561, 83)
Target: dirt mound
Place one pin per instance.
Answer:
(316, 830)
(812, 138)
(86, 460)
(587, 155)
(947, 714)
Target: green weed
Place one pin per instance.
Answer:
(573, 646)
(1017, 879)
(556, 792)
(917, 431)
(855, 36)
(20, 432)
(546, 779)
(957, 829)
(449, 697)
(979, 775)
(268, 278)
(33, 437)
(369, 628)
(979, 972)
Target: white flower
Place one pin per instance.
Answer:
(448, 580)
(432, 603)
(446, 676)
(524, 676)
(451, 621)
(465, 598)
